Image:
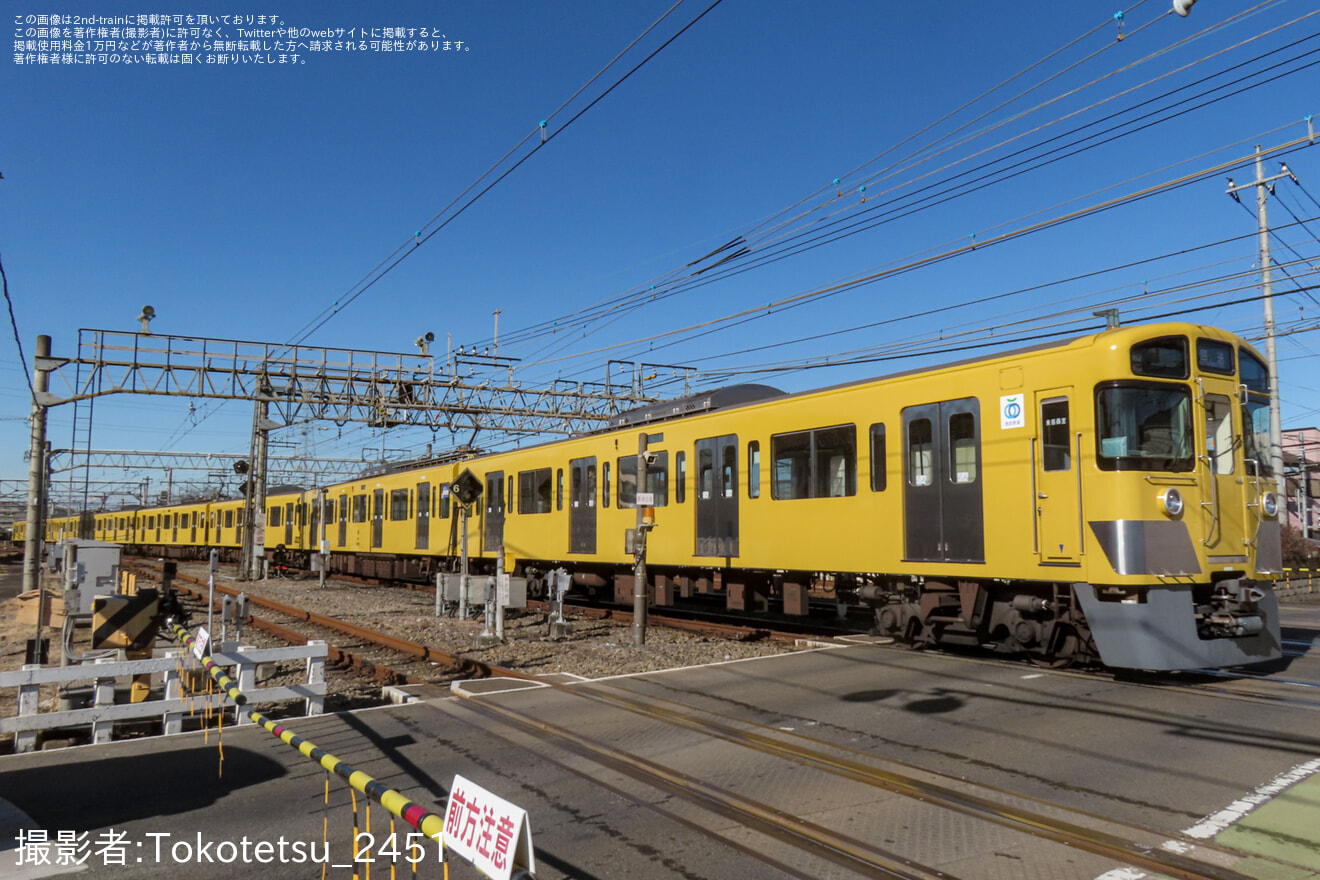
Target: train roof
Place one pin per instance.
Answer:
(707, 401)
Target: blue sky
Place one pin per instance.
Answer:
(243, 200)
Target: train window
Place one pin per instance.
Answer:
(1253, 372)
(729, 469)
(878, 474)
(705, 473)
(1055, 435)
(559, 489)
(1165, 358)
(398, 505)
(1213, 356)
(628, 481)
(753, 469)
(327, 511)
(605, 484)
(962, 447)
(510, 494)
(790, 457)
(920, 463)
(444, 501)
(359, 508)
(657, 480)
(1219, 432)
(591, 485)
(288, 513)
(821, 463)
(1256, 435)
(534, 491)
(423, 500)
(680, 477)
(835, 462)
(273, 519)
(575, 486)
(238, 518)
(1146, 427)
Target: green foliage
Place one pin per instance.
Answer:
(1297, 551)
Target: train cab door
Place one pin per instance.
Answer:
(423, 516)
(1057, 480)
(377, 518)
(943, 507)
(582, 505)
(1224, 516)
(717, 496)
(493, 537)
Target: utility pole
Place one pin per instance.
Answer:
(36, 530)
(36, 502)
(254, 521)
(1263, 189)
(645, 522)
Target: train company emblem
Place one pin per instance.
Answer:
(1011, 413)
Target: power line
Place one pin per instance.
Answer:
(13, 323)
(642, 296)
(419, 239)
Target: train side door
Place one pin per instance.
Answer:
(582, 505)
(343, 520)
(288, 526)
(423, 516)
(377, 518)
(494, 532)
(943, 516)
(717, 496)
(1057, 480)
(1224, 516)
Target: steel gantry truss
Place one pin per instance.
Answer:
(287, 467)
(301, 382)
(297, 383)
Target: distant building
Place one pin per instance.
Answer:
(1301, 463)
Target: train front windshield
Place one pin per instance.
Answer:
(1256, 414)
(1145, 427)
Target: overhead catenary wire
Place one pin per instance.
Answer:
(13, 324)
(799, 299)
(406, 248)
(401, 254)
(609, 307)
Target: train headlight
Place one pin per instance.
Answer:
(1172, 502)
(1269, 504)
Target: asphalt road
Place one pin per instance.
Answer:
(1162, 758)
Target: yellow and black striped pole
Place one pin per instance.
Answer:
(425, 821)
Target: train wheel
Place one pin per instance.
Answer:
(1063, 650)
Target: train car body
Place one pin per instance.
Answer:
(1107, 497)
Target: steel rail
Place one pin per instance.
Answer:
(428, 823)
(1035, 824)
(842, 850)
(379, 672)
(1029, 822)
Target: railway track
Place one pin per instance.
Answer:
(1128, 845)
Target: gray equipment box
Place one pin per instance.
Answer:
(96, 563)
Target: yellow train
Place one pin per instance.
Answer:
(1107, 497)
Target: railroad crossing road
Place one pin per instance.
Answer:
(1160, 758)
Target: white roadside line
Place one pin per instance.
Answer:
(1209, 827)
